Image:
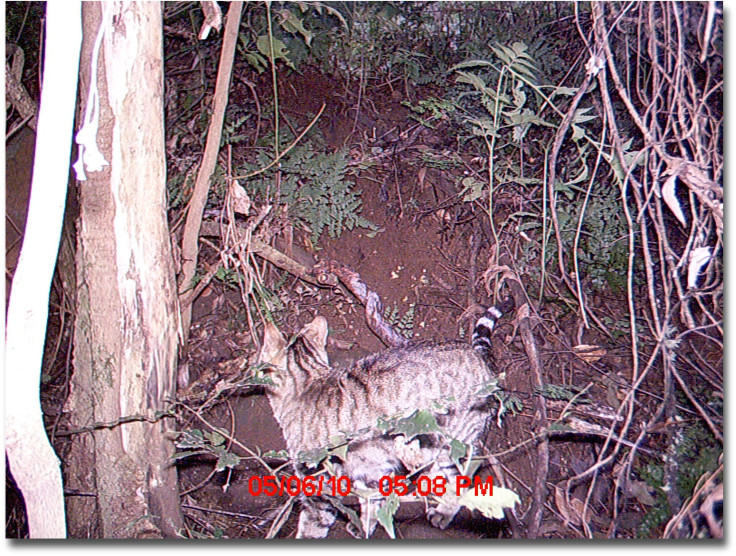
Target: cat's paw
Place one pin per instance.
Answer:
(314, 523)
(441, 517)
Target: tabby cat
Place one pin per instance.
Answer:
(314, 402)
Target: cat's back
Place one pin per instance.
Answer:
(418, 374)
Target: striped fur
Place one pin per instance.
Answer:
(314, 402)
(484, 326)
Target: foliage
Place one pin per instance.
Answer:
(314, 188)
(697, 455)
(197, 442)
(404, 324)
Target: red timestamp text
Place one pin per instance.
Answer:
(400, 485)
(438, 485)
(311, 485)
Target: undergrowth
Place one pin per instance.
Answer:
(312, 186)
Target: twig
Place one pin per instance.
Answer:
(540, 421)
(285, 151)
(326, 273)
(232, 439)
(188, 298)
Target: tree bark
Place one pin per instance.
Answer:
(32, 460)
(126, 329)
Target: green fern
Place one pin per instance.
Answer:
(315, 187)
(404, 324)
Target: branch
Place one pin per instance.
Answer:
(373, 308)
(540, 423)
(326, 273)
(190, 237)
(274, 256)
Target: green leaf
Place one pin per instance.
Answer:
(351, 514)
(190, 439)
(488, 388)
(490, 506)
(280, 52)
(419, 422)
(458, 450)
(580, 116)
(292, 24)
(483, 127)
(373, 233)
(528, 117)
(560, 427)
(473, 189)
(318, 6)
(256, 60)
(188, 454)
(471, 79)
(470, 64)
(226, 460)
(567, 91)
(385, 515)
(312, 458)
(577, 132)
(215, 438)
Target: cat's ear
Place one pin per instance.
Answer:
(273, 350)
(315, 333)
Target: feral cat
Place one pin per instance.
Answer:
(314, 403)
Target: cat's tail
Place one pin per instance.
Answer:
(484, 326)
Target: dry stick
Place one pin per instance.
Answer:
(557, 145)
(601, 38)
(274, 256)
(540, 424)
(190, 237)
(326, 273)
(701, 410)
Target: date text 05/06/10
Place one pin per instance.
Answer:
(316, 485)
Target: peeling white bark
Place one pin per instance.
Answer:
(33, 463)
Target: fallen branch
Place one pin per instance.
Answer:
(274, 256)
(540, 422)
(325, 273)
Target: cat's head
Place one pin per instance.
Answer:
(311, 342)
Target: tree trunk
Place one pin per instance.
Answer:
(126, 328)
(32, 460)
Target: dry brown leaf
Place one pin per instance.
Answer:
(239, 199)
(569, 513)
(589, 353)
(421, 175)
(641, 490)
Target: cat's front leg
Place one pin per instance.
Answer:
(370, 503)
(315, 519)
(441, 516)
